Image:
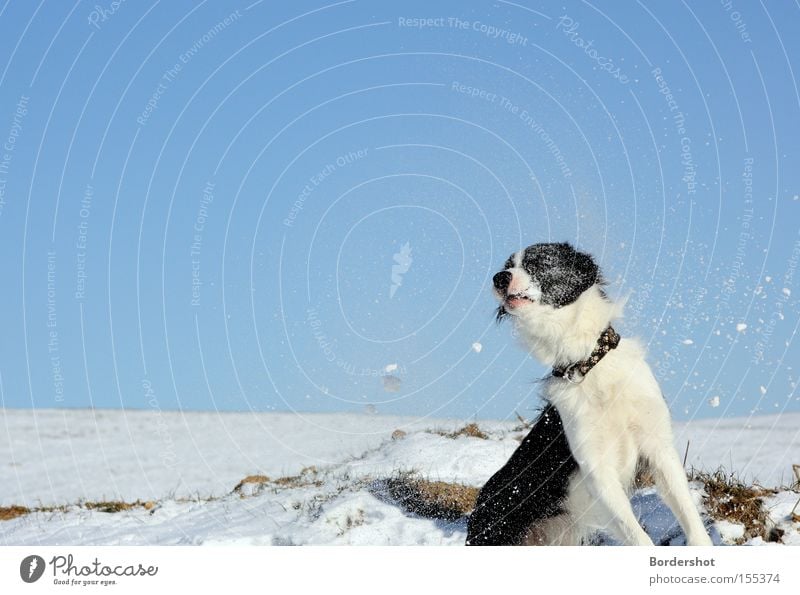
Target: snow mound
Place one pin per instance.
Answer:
(346, 492)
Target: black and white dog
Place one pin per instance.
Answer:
(605, 415)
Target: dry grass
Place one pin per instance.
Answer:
(250, 479)
(11, 512)
(351, 521)
(431, 499)
(471, 430)
(729, 499)
(524, 424)
(113, 506)
(644, 477)
(306, 477)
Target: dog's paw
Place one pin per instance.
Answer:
(702, 539)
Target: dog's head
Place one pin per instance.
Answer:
(542, 278)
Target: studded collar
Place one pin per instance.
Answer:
(575, 373)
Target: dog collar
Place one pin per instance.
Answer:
(608, 340)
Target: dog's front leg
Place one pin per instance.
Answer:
(672, 485)
(605, 487)
(597, 459)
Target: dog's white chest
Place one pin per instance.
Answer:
(601, 424)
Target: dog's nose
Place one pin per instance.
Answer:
(502, 280)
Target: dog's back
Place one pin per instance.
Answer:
(528, 489)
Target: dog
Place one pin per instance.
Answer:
(604, 416)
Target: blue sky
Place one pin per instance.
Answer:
(262, 205)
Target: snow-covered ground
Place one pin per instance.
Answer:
(187, 464)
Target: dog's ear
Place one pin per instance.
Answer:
(586, 270)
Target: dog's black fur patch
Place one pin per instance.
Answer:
(563, 273)
(529, 488)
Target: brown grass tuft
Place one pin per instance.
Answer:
(729, 499)
(471, 429)
(306, 477)
(112, 506)
(432, 499)
(11, 512)
(254, 479)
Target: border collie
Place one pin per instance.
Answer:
(604, 416)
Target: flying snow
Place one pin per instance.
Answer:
(391, 384)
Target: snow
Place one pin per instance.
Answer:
(389, 368)
(476, 347)
(741, 327)
(730, 531)
(780, 511)
(190, 462)
(54, 457)
(714, 401)
(760, 448)
(391, 384)
(687, 342)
